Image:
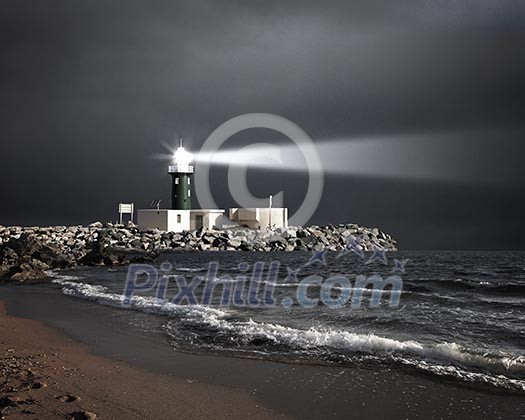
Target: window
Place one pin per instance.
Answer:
(189, 193)
(178, 218)
(189, 181)
(177, 180)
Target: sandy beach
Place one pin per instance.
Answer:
(45, 375)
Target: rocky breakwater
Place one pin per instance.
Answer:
(28, 252)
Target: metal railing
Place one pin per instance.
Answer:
(188, 169)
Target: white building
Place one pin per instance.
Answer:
(260, 217)
(180, 220)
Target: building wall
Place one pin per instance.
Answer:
(167, 220)
(180, 220)
(260, 218)
(210, 218)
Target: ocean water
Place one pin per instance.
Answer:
(461, 315)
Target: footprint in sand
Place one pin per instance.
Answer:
(39, 385)
(68, 398)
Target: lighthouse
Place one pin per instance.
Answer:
(181, 217)
(181, 171)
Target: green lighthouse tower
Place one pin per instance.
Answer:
(181, 171)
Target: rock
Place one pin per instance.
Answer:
(5, 272)
(289, 233)
(246, 246)
(235, 243)
(53, 257)
(101, 254)
(27, 253)
(8, 257)
(30, 270)
(276, 239)
(28, 245)
(303, 233)
(83, 415)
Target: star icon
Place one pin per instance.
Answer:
(292, 274)
(317, 256)
(353, 245)
(356, 249)
(352, 241)
(378, 255)
(343, 252)
(399, 266)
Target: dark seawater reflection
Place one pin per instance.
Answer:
(461, 314)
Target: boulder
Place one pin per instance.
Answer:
(303, 233)
(28, 245)
(30, 269)
(246, 246)
(8, 257)
(289, 233)
(276, 239)
(234, 243)
(102, 254)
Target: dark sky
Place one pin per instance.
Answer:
(91, 89)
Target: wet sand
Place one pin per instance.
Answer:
(44, 375)
(120, 372)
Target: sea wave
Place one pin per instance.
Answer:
(446, 359)
(101, 295)
(190, 269)
(468, 284)
(216, 329)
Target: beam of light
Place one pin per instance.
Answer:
(450, 157)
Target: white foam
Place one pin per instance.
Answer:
(59, 276)
(443, 358)
(189, 269)
(439, 358)
(465, 375)
(101, 295)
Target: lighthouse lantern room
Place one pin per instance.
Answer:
(181, 171)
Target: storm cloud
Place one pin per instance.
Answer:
(91, 89)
